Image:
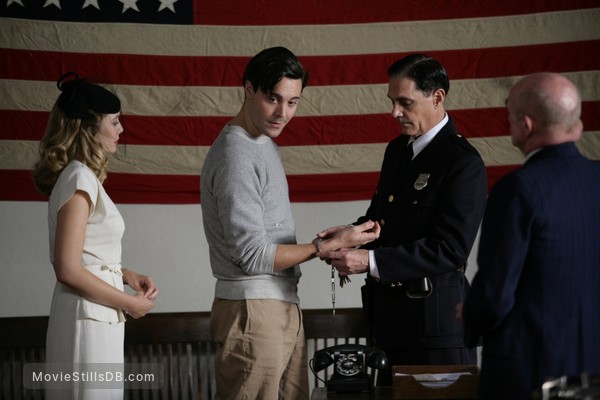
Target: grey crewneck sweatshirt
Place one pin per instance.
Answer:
(246, 213)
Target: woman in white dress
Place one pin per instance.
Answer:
(86, 324)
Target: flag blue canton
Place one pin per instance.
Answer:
(126, 11)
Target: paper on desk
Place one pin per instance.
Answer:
(436, 380)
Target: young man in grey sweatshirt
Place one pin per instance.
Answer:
(256, 318)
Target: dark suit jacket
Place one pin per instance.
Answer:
(426, 232)
(536, 296)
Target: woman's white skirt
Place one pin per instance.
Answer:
(85, 339)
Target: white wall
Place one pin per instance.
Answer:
(165, 241)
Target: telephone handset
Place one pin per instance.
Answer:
(350, 362)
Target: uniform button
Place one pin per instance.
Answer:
(415, 202)
(382, 222)
(392, 285)
(391, 198)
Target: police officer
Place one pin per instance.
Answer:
(429, 202)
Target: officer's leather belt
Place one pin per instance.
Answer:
(400, 284)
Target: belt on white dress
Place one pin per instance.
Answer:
(114, 268)
(115, 279)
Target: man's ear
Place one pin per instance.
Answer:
(248, 89)
(439, 96)
(528, 124)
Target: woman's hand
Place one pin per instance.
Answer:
(139, 306)
(141, 283)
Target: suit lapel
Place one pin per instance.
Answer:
(392, 171)
(421, 164)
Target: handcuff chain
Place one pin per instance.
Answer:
(333, 291)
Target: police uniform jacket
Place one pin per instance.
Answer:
(429, 210)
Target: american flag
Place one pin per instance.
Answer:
(177, 67)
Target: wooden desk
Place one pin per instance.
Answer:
(378, 393)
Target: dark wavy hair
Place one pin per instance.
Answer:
(427, 73)
(267, 68)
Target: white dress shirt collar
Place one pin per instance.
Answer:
(422, 141)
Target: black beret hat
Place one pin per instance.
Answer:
(79, 96)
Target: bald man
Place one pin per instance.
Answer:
(535, 299)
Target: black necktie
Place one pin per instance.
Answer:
(409, 151)
(406, 157)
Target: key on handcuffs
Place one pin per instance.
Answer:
(343, 280)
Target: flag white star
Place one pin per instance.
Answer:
(19, 2)
(127, 4)
(52, 3)
(93, 3)
(167, 4)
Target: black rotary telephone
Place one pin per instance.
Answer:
(350, 362)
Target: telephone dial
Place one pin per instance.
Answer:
(350, 363)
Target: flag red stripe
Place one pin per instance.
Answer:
(185, 189)
(325, 130)
(17, 185)
(158, 70)
(233, 12)
(469, 123)
(332, 187)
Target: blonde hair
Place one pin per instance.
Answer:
(67, 139)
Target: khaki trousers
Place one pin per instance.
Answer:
(261, 350)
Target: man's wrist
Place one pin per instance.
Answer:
(317, 244)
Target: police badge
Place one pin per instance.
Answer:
(421, 181)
